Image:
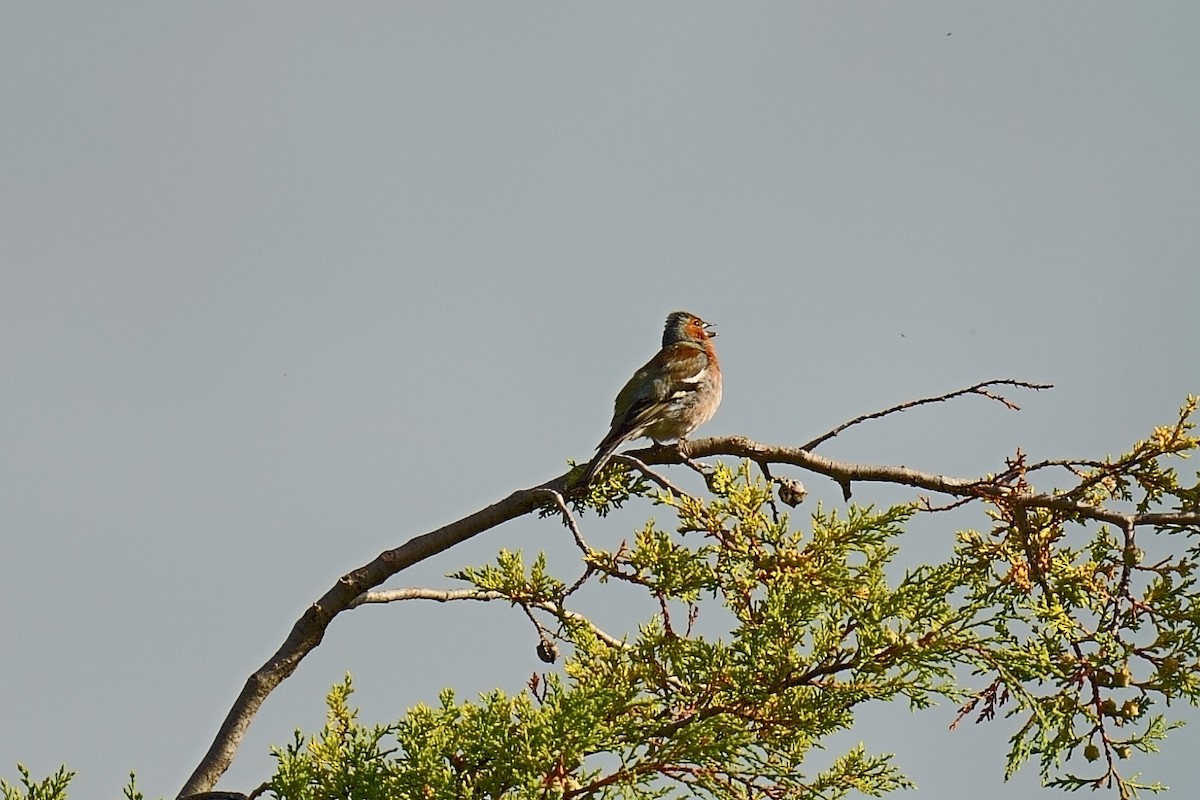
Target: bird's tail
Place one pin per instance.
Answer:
(604, 453)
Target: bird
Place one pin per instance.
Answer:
(672, 395)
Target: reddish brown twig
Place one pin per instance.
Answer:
(979, 389)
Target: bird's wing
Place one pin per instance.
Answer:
(674, 371)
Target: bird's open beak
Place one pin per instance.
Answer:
(708, 328)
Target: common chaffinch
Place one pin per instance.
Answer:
(676, 392)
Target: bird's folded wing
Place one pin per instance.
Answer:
(674, 372)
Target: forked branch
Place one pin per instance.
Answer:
(983, 389)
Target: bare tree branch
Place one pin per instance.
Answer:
(449, 595)
(845, 473)
(979, 389)
(420, 593)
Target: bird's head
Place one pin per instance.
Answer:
(684, 327)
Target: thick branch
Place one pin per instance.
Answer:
(846, 473)
(309, 630)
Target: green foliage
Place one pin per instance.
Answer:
(764, 639)
(510, 578)
(1084, 640)
(52, 787)
(612, 488)
(345, 760)
(131, 791)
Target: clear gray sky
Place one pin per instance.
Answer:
(285, 284)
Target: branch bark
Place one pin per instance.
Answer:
(309, 630)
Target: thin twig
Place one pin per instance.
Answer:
(450, 595)
(766, 471)
(925, 505)
(588, 572)
(979, 389)
(546, 648)
(683, 449)
(657, 477)
(1128, 564)
(568, 518)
